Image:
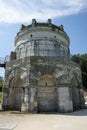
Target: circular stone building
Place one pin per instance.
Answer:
(40, 76)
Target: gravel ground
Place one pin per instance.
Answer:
(19, 121)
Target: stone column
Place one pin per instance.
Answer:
(5, 99)
(25, 100)
(82, 100)
(64, 99)
(33, 100)
(57, 93)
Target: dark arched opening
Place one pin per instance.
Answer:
(15, 93)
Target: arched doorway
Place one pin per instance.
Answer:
(75, 93)
(46, 94)
(15, 93)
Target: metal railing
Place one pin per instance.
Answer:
(3, 61)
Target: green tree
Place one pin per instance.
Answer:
(82, 61)
(1, 83)
(76, 58)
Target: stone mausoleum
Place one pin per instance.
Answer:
(40, 76)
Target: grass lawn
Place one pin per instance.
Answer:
(0, 99)
(0, 96)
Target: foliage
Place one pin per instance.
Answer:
(1, 83)
(82, 61)
(76, 58)
(1, 78)
(0, 97)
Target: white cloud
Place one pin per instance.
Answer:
(14, 11)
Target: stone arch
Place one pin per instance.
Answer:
(47, 80)
(75, 93)
(46, 94)
(74, 82)
(15, 93)
(15, 82)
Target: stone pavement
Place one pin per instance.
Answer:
(19, 121)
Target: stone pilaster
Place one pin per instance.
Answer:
(25, 100)
(82, 101)
(33, 100)
(5, 99)
(64, 99)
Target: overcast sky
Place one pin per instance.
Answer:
(71, 13)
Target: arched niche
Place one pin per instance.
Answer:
(46, 94)
(15, 93)
(47, 80)
(74, 82)
(75, 93)
(15, 82)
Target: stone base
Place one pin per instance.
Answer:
(24, 107)
(64, 100)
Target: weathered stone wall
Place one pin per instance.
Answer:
(65, 99)
(41, 40)
(45, 82)
(40, 75)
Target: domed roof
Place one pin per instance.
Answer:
(48, 24)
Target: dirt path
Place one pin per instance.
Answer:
(71, 121)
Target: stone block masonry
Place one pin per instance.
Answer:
(40, 76)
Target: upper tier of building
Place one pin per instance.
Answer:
(41, 39)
